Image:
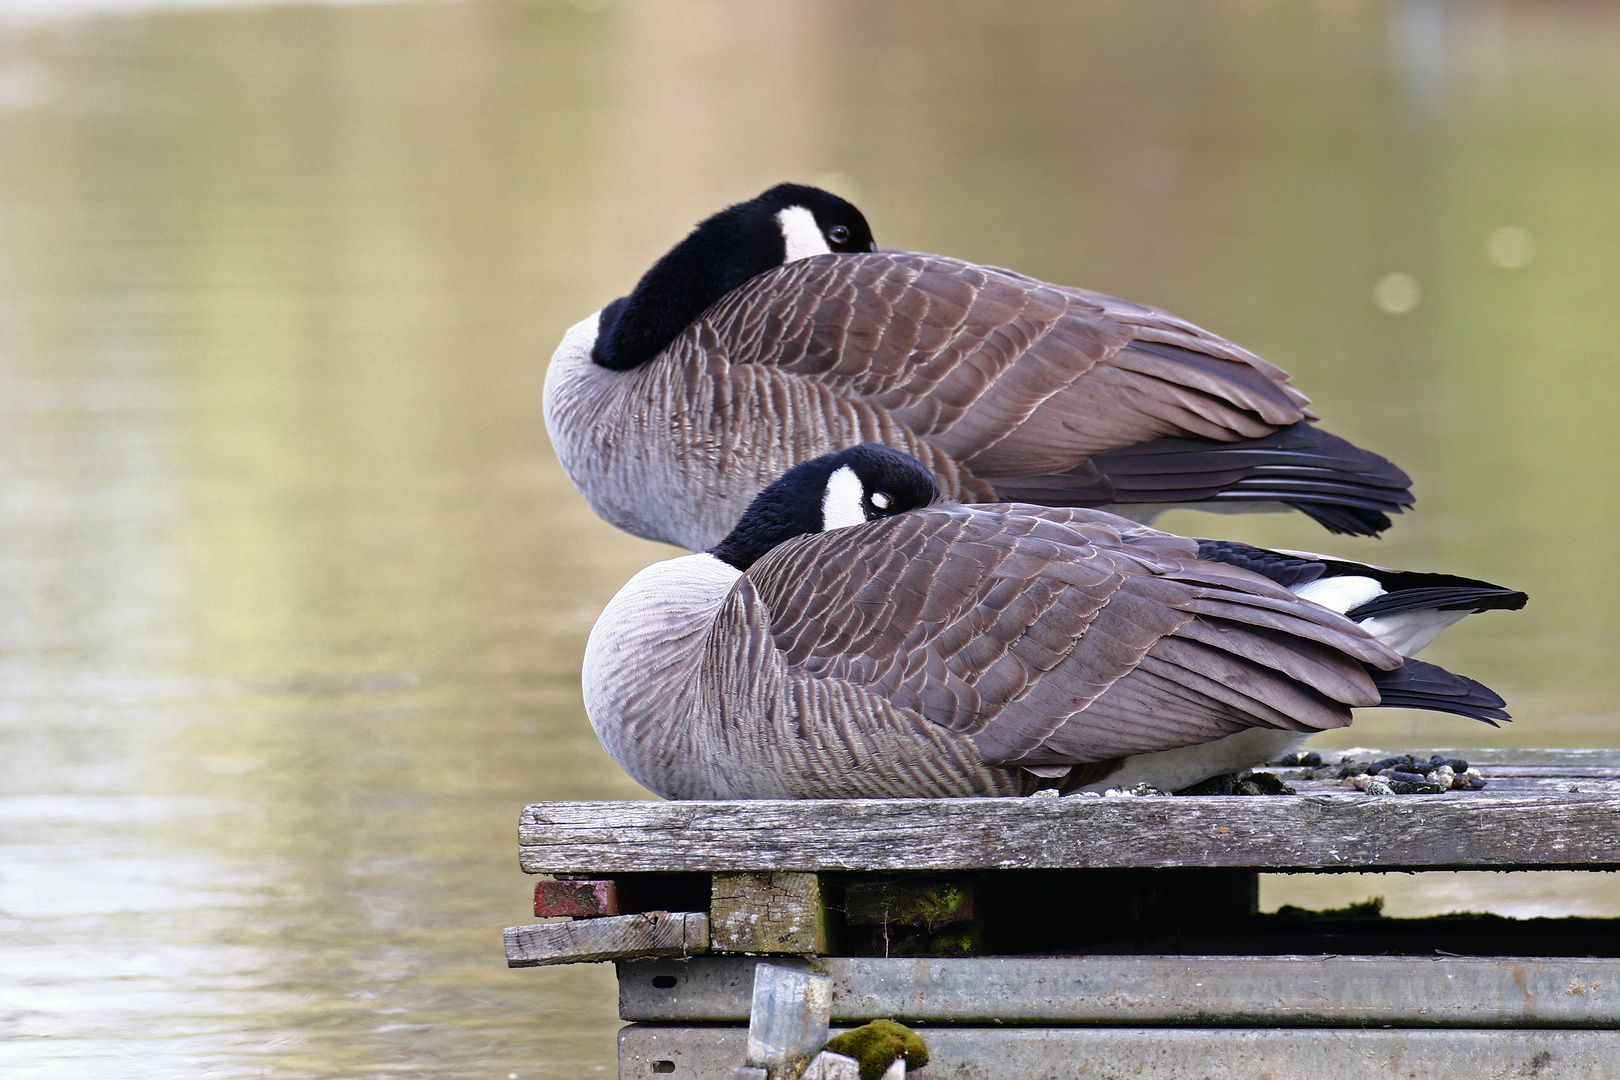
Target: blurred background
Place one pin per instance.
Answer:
(293, 592)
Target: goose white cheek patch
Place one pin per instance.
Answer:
(800, 233)
(841, 503)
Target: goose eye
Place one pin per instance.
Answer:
(838, 234)
(881, 500)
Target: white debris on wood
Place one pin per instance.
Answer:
(830, 1066)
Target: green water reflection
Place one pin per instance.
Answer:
(292, 591)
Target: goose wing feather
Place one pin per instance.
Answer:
(1053, 636)
(1009, 375)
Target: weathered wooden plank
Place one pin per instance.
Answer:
(575, 899)
(621, 937)
(1553, 772)
(1496, 774)
(1456, 830)
(1499, 785)
(1485, 757)
(709, 1053)
(1606, 757)
(1203, 991)
(767, 913)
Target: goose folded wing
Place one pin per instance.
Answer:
(1010, 375)
(1047, 638)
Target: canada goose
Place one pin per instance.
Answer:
(856, 635)
(776, 332)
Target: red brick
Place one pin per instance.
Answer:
(579, 899)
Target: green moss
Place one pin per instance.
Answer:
(877, 1044)
(925, 902)
(957, 941)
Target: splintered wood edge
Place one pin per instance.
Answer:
(1341, 831)
(653, 935)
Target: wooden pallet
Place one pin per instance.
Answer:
(1099, 937)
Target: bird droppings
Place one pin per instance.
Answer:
(1406, 775)
(1135, 792)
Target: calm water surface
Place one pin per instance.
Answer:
(293, 593)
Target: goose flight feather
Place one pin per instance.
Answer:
(948, 649)
(1007, 387)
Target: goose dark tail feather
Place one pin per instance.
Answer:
(1405, 590)
(1344, 520)
(1469, 597)
(1344, 488)
(1416, 685)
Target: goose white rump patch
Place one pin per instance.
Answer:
(1409, 632)
(1340, 593)
(1406, 632)
(800, 233)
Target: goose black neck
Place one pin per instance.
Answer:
(787, 508)
(718, 256)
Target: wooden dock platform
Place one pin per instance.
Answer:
(1100, 936)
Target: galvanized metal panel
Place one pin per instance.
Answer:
(1456, 830)
(649, 1052)
(1315, 991)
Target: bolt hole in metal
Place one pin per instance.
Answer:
(663, 1066)
(664, 982)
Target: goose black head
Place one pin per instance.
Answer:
(850, 487)
(786, 223)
